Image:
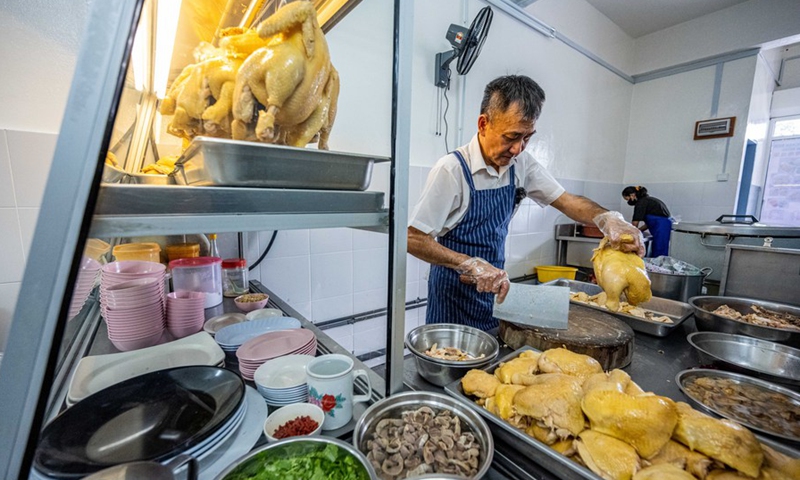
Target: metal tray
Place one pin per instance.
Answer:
(683, 377)
(706, 320)
(232, 163)
(677, 311)
(557, 464)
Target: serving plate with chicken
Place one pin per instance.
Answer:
(657, 316)
(579, 421)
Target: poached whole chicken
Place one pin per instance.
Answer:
(292, 78)
(618, 272)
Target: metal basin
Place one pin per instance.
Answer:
(292, 447)
(471, 340)
(708, 321)
(677, 286)
(394, 406)
(761, 358)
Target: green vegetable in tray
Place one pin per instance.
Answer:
(301, 463)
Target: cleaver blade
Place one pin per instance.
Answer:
(543, 306)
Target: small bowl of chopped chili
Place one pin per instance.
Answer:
(295, 420)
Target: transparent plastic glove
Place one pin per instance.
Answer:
(485, 276)
(614, 226)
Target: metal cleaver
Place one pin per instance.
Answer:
(543, 306)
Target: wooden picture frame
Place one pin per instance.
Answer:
(714, 128)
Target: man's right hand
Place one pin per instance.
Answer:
(485, 276)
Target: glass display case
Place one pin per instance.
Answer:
(129, 120)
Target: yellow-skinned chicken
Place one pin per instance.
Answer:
(479, 383)
(614, 380)
(645, 422)
(555, 402)
(292, 78)
(693, 462)
(502, 404)
(664, 471)
(561, 360)
(515, 369)
(606, 456)
(722, 440)
(618, 272)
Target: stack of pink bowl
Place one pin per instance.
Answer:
(185, 313)
(132, 303)
(256, 351)
(87, 275)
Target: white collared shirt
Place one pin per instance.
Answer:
(445, 198)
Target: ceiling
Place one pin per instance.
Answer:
(641, 17)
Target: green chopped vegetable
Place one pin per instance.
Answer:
(300, 463)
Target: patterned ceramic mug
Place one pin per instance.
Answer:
(330, 386)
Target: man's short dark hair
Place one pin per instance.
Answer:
(505, 91)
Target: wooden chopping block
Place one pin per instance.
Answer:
(597, 334)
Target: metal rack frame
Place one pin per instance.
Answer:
(74, 192)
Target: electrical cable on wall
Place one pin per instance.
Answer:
(266, 251)
(444, 114)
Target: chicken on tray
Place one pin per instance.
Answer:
(272, 84)
(606, 422)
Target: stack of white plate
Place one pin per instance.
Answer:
(185, 313)
(256, 351)
(282, 381)
(87, 275)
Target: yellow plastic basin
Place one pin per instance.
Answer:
(546, 273)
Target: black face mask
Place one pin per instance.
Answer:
(631, 202)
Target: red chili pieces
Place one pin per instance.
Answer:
(299, 426)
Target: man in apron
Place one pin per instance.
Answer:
(461, 221)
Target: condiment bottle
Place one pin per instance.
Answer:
(235, 279)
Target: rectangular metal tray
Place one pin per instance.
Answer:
(557, 464)
(677, 311)
(233, 163)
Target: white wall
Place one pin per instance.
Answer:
(758, 118)
(786, 102)
(746, 25)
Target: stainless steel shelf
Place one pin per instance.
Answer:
(137, 210)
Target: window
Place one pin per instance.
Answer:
(781, 203)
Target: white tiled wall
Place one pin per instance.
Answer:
(24, 162)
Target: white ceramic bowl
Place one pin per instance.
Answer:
(290, 412)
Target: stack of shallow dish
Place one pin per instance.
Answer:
(258, 350)
(185, 313)
(232, 337)
(153, 417)
(215, 324)
(134, 312)
(282, 381)
(87, 275)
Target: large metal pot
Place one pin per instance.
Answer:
(703, 244)
(678, 286)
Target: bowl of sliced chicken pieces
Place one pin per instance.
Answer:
(776, 322)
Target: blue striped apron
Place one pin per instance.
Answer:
(481, 233)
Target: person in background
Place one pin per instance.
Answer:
(650, 213)
(461, 221)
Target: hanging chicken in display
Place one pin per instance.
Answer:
(272, 84)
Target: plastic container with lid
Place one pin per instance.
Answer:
(96, 249)
(147, 252)
(201, 274)
(235, 279)
(183, 250)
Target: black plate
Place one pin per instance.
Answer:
(151, 417)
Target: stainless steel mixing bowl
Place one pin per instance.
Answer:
(291, 447)
(706, 320)
(471, 340)
(760, 358)
(394, 406)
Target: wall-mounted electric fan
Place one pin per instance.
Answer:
(466, 44)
